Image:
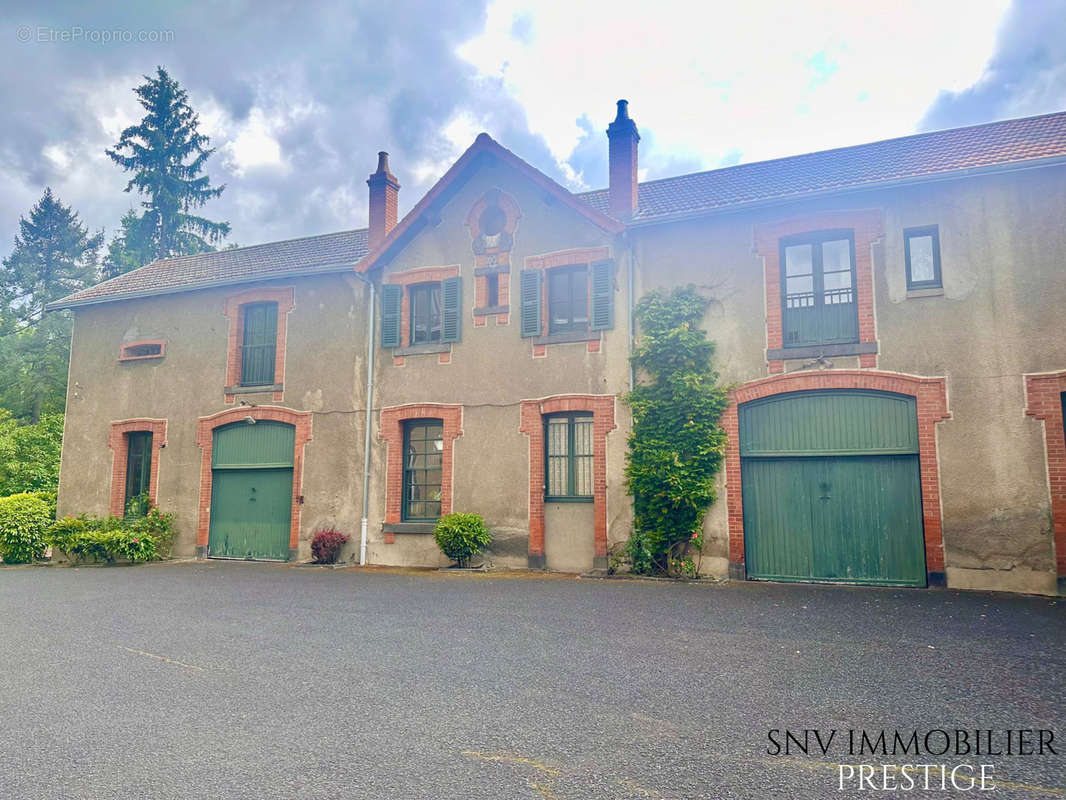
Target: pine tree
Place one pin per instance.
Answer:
(54, 255)
(166, 154)
(129, 248)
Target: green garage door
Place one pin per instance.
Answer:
(831, 488)
(251, 491)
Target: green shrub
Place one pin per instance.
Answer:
(156, 525)
(88, 538)
(461, 536)
(24, 520)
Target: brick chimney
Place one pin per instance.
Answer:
(384, 194)
(622, 138)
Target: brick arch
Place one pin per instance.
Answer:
(205, 428)
(391, 431)
(116, 440)
(1043, 401)
(932, 406)
(532, 425)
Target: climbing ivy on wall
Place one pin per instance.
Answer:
(677, 445)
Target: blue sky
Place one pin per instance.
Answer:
(298, 99)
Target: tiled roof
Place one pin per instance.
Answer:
(331, 252)
(924, 155)
(920, 156)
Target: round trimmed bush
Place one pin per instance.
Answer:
(24, 521)
(461, 536)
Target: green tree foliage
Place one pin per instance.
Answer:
(166, 154)
(676, 446)
(129, 248)
(29, 454)
(53, 256)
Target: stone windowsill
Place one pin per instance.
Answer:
(273, 387)
(422, 349)
(408, 527)
(932, 291)
(486, 310)
(820, 350)
(564, 338)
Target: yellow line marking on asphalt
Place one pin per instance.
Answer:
(1000, 784)
(508, 758)
(161, 658)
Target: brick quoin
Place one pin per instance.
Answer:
(232, 310)
(406, 280)
(117, 440)
(1043, 398)
(205, 428)
(391, 431)
(931, 399)
(579, 256)
(868, 227)
(532, 425)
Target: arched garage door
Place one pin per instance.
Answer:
(831, 488)
(251, 490)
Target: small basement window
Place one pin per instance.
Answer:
(135, 351)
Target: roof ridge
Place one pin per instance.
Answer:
(921, 135)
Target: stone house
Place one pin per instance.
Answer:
(885, 313)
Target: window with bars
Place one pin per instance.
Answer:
(818, 287)
(568, 299)
(259, 343)
(138, 464)
(568, 442)
(423, 448)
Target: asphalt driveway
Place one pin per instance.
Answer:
(234, 680)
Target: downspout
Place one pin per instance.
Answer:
(630, 304)
(369, 417)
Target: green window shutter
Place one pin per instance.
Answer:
(138, 463)
(391, 311)
(451, 301)
(259, 346)
(529, 298)
(602, 316)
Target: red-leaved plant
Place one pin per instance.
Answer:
(326, 544)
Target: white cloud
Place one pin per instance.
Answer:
(765, 77)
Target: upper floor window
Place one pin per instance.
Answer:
(819, 289)
(138, 468)
(568, 441)
(425, 313)
(568, 300)
(423, 448)
(258, 343)
(922, 252)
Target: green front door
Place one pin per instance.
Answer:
(251, 491)
(831, 488)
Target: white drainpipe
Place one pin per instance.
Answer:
(369, 418)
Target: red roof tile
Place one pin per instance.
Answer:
(919, 156)
(924, 155)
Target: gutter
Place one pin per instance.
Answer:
(369, 417)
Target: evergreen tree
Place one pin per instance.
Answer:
(129, 248)
(166, 154)
(54, 255)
